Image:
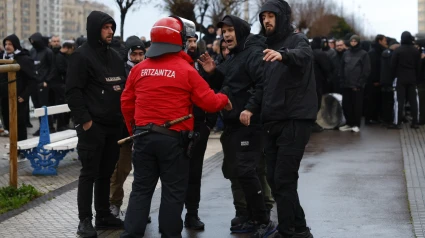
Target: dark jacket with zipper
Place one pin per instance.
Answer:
(243, 74)
(95, 77)
(405, 61)
(25, 77)
(355, 68)
(43, 59)
(289, 86)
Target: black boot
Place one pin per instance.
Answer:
(109, 222)
(149, 219)
(85, 229)
(193, 222)
(414, 126)
(303, 234)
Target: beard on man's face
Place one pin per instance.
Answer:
(269, 30)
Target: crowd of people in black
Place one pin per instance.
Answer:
(268, 88)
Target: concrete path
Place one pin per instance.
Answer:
(351, 185)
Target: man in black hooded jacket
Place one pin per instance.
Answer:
(45, 70)
(94, 84)
(289, 109)
(242, 136)
(25, 81)
(405, 67)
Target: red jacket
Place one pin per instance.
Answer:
(165, 88)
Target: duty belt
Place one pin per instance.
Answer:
(159, 129)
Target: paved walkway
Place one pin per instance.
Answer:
(413, 143)
(351, 185)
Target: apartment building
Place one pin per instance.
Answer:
(65, 18)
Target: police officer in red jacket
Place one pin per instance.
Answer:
(162, 88)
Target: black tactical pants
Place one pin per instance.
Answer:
(284, 148)
(372, 102)
(408, 92)
(98, 152)
(193, 196)
(389, 99)
(157, 156)
(243, 150)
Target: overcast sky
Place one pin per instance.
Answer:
(388, 17)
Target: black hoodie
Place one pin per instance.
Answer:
(43, 59)
(322, 64)
(95, 77)
(243, 71)
(289, 87)
(25, 77)
(405, 61)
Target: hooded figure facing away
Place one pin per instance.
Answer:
(94, 83)
(242, 75)
(289, 107)
(25, 82)
(405, 67)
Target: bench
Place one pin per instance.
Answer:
(46, 151)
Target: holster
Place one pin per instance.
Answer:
(189, 141)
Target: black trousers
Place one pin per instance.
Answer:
(193, 196)
(352, 105)
(409, 92)
(243, 150)
(389, 99)
(57, 97)
(157, 156)
(284, 148)
(98, 152)
(21, 116)
(372, 102)
(40, 97)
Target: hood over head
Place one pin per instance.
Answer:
(133, 43)
(407, 38)
(242, 29)
(283, 13)
(15, 41)
(95, 22)
(37, 41)
(316, 43)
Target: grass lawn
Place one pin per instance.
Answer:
(12, 198)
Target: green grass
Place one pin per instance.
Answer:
(12, 198)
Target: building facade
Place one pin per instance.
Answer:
(64, 18)
(421, 17)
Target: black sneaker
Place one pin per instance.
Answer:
(149, 219)
(414, 126)
(246, 227)
(304, 234)
(395, 127)
(193, 222)
(265, 230)
(109, 223)
(238, 220)
(85, 229)
(37, 133)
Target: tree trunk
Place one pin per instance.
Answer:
(123, 14)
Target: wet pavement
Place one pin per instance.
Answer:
(351, 185)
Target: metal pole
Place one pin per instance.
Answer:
(13, 122)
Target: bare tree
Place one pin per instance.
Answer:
(124, 6)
